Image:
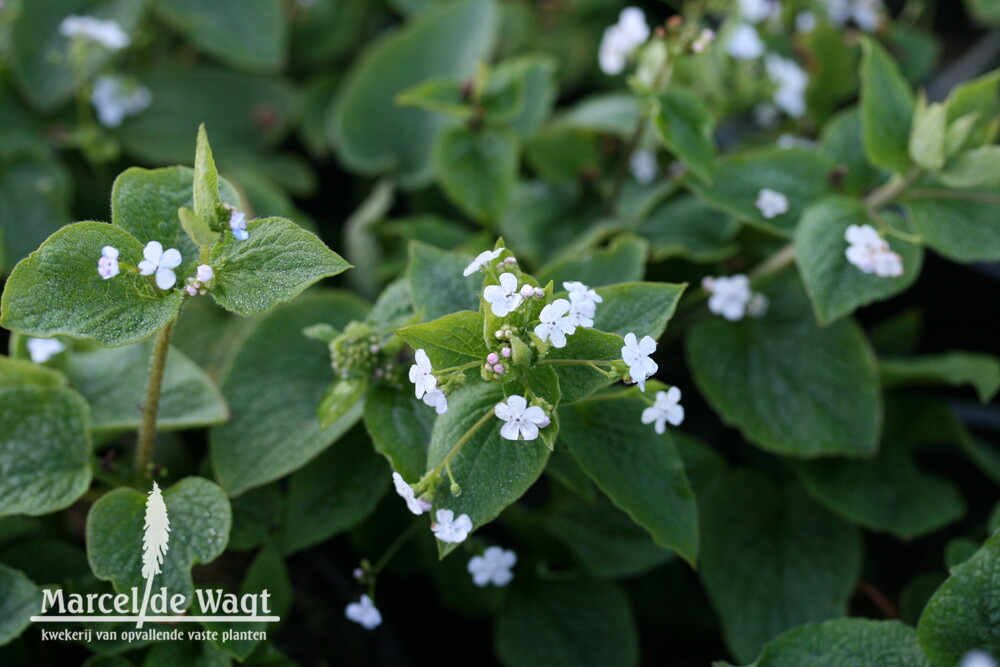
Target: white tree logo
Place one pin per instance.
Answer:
(155, 542)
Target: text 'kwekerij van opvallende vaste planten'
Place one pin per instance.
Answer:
(632, 350)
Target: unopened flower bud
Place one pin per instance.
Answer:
(527, 291)
(492, 358)
(506, 352)
(498, 369)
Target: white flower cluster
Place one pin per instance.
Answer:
(756, 11)
(204, 275)
(108, 34)
(866, 14)
(364, 613)
(238, 224)
(791, 82)
(43, 349)
(771, 203)
(622, 39)
(871, 253)
(425, 383)
(744, 43)
(107, 265)
(493, 567)
(115, 98)
(732, 297)
(561, 317)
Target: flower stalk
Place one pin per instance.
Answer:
(151, 405)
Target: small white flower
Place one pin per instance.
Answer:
(667, 408)
(643, 165)
(703, 40)
(867, 14)
(805, 22)
(977, 658)
(115, 98)
(43, 349)
(622, 39)
(555, 323)
(493, 567)
(871, 253)
(583, 303)
(636, 355)
(756, 11)
(422, 375)
(791, 81)
(449, 529)
(238, 223)
(364, 613)
(437, 400)
(160, 262)
(205, 273)
(106, 33)
(520, 419)
(730, 295)
(405, 491)
(771, 203)
(481, 260)
(503, 298)
(744, 43)
(107, 265)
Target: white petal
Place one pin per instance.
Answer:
(153, 252)
(509, 431)
(165, 278)
(146, 268)
(110, 251)
(171, 259)
(529, 430)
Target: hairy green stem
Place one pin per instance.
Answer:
(151, 406)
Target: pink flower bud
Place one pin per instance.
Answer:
(492, 357)
(527, 291)
(506, 352)
(498, 369)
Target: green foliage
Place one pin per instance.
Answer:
(400, 428)
(685, 126)
(886, 110)
(959, 224)
(19, 599)
(981, 371)
(845, 641)
(477, 169)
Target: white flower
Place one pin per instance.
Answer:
(493, 567)
(667, 408)
(788, 141)
(107, 265)
(422, 375)
(622, 39)
(643, 165)
(205, 273)
(636, 355)
(405, 491)
(43, 349)
(160, 262)
(583, 303)
(805, 22)
(771, 203)
(114, 99)
(481, 260)
(503, 298)
(867, 14)
(449, 529)
(791, 81)
(871, 253)
(730, 296)
(555, 323)
(520, 419)
(364, 613)
(744, 43)
(238, 223)
(701, 42)
(106, 33)
(977, 658)
(437, 400)
(756, 11)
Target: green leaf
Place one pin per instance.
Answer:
(371, 134)
(985, 12)
(842, 141)
(200, 518)
(802, 176)
(452, 340)
(959, 224)
(491, 471)
(437, 286)
(562, 154)
(579, 623)
(57, 290)
(888, 493)
(274, 265)
(333, 493)
(927, 138)
(247, 34)
(685, 227)
(886, 109)
(255, 515)
(273, 387)
(639, 470)
(196, 228)
(577, 381)
(17, 373)
(339, 399)
(114, 380)
(974, 168)
(963, 614)
(981, 371)
(20, 599)
(835, 286)
(439, 95)
(772, 559)
(400, 428)
(40, 55)
(44, 449)
(477, 169)
(537, 75)
(980, 98)
(843, 642)
(34, 199)
(791, 387)
(605, 541)
(205, 188)
(685, 126)
(641, 308)
(198, 654)
(624, 260)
